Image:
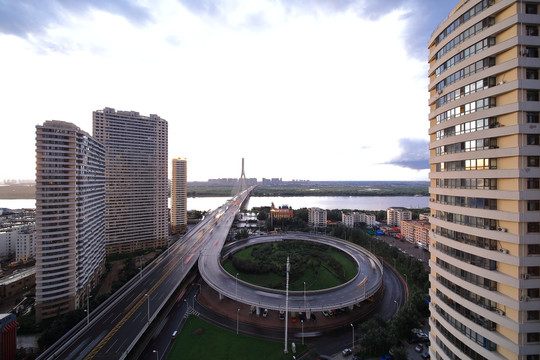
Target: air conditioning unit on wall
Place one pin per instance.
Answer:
(499, 311)
(504, 251)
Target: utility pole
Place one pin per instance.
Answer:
(286, 305)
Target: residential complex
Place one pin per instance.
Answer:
(70, 222)
(317, 217)
(136, 179)
(485, 182)
(17, 242)
(179, 195)
(353, 219)
(416, 231)
(395, 215)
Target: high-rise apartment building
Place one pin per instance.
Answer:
(136, 179)
(317, 217)
(70, 217)
(395, 215)
(485, 182)
(179, 195)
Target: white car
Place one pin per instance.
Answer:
(265, 312)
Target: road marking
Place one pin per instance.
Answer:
(121, 323)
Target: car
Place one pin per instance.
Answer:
(386, 357)
(265, 312)
(346, 352)
(416, 331)
(325, 313)
(313, 317)
(425, 355)
(281, 315)
(330, 312)
(419, 348)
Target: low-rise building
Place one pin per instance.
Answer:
(416, 231)
(8, 336)
(283, 212)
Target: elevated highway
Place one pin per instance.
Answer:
(365, 284)
(117, 325)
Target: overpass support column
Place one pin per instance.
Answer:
(308, 314)
(220, 297)
(351, 307)
(258, 311)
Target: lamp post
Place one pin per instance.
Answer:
(304, 297)
(352, 326)
(148, 302)
(157, 354)
(395, 301)
(302, 321)
(237, 286)
(237, 312)
(87, 308)
(406, 280)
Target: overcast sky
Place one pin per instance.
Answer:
(302, 89)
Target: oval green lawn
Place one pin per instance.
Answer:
(316, 271)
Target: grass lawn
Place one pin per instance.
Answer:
(201, 340)
(323, 277)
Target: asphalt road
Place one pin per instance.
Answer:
(364, 285)
(115, 329)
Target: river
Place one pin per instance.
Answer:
(295, 202)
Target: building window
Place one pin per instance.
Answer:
(532, 30)
(533, 337)
(533, 161)
(533, 205)
(533, 183)
(533, 293)
(532, 73)
(533, 139)
(530, 51)
(533, 249)
(533, 227)
(531, 9)
(532, 95)
(532, 117)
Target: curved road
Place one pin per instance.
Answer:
(364, 285)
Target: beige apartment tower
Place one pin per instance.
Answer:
(70, 217)
(485, 182)
(136, 179)
(179, 195)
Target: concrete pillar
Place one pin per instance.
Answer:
(351, 307)
(258, 310)
(308, 314)
(220, 297)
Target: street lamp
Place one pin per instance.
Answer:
(148, 302)
(237, 312)
(304, 298)
(396, 305)
(352, 335)
(87, 308)
(302, 321)
(237, 286)
(407, 281)
(157, 354)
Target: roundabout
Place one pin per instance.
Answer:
(364, 285)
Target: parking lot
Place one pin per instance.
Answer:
(408, 249)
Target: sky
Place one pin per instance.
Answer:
(302, 89)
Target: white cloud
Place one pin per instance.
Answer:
(321, 96)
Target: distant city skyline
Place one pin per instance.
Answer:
(295, 88)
